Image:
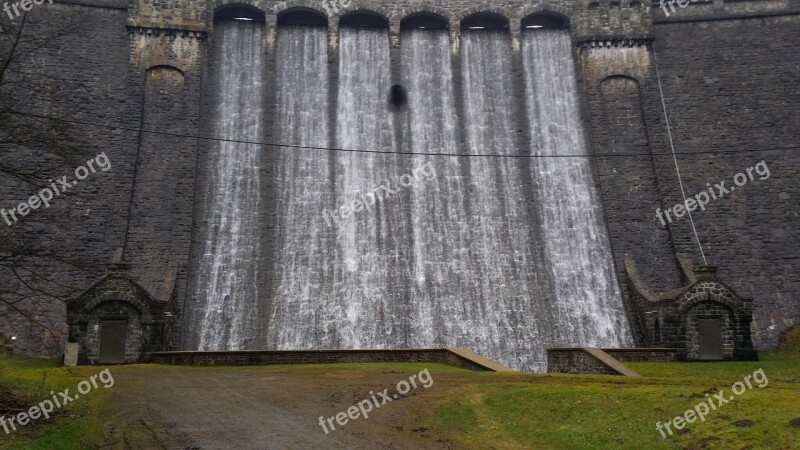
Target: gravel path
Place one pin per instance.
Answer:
(165, 407)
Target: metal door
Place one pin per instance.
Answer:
(112, 341)
(710, 335)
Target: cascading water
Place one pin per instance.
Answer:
(307, 257)
(588, 301)
(508, 266)
(371, 301)
(442, 269)
(472, 256)
(365, 303)
(225, 315)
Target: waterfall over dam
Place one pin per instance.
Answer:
(473, 247)
(226, 292)
(588, 301)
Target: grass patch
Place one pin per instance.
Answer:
(580, 412)
(78, 425)
(789, 343)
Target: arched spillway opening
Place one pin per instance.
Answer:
(302, 17)
(239, 11)
(485, 20)
(546, 20)
(587, 301)
(226, 310)
(364, 19)
(424, 21)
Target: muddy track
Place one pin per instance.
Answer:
(162, 407)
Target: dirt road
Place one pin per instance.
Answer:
(165, 407)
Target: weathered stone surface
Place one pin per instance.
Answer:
(728, 73)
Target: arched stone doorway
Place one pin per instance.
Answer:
(115, 321)
(703, 321)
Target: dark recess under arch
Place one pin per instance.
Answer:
(364, 19)
(239, 11)
(424, 20)
(301, 16)
(544, 20)
(484, 21)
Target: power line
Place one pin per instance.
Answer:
(388, 152)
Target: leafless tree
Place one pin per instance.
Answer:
(33, 149)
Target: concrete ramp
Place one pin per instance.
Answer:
(612, 363)
(585, 360)
(468, 354)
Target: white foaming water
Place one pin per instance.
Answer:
(473, 257)
(442, 269)
(306, 256)
(369, 308)
(225, 315)
(510, 303)
(588, 303)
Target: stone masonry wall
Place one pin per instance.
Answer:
(84, 74)
(728, 72)
(442, 356)
(575, 360)
(731, 85)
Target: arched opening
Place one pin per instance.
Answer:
(301, 16)
(545, 20)
(162, 76)
(484, 21)
(424, 20)
(363, 19)
(239, 11)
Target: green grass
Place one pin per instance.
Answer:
(499, 410)
(582, 412)
(78, 425)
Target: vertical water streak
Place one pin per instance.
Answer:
(589, 306)
(442, 270)
(370, 308)
(511, 301)
(227, 279)
(306, 257)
